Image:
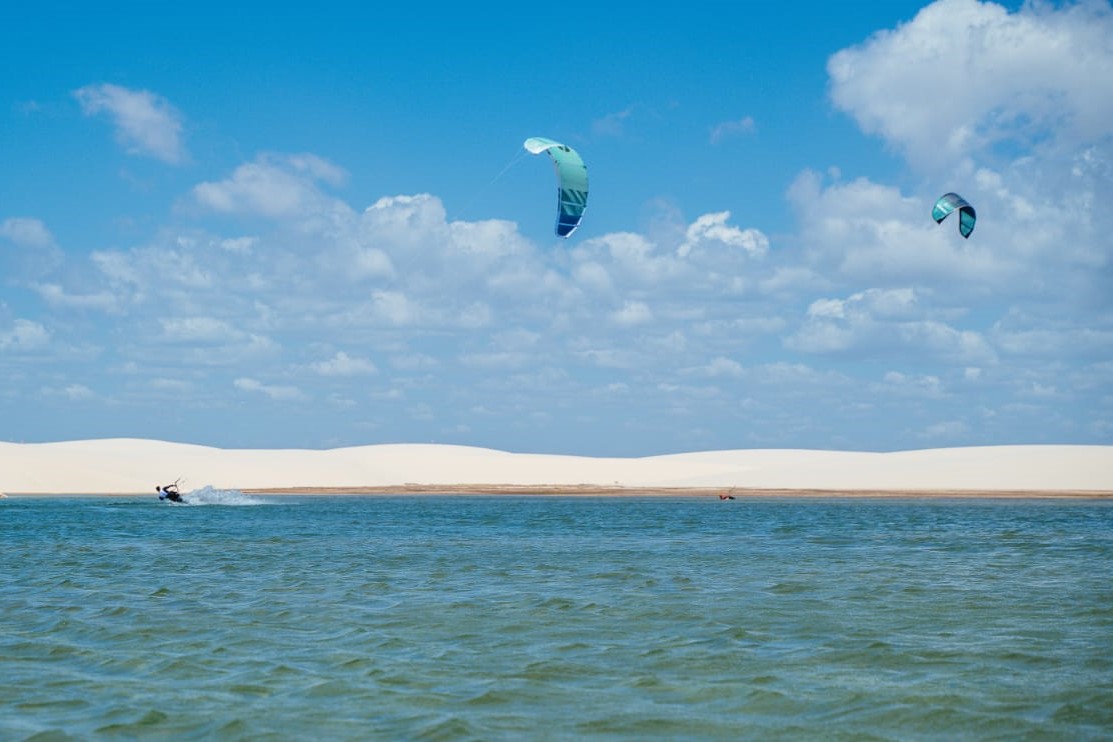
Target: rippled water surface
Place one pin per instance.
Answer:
(555, 618)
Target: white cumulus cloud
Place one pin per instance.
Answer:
(713, 229)
(965, 75)
(884, 321)
(274, 186)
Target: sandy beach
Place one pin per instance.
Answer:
(134, 466)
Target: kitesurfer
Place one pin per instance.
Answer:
(169, 492)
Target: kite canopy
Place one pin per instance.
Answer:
(947, 203)
(571, 182)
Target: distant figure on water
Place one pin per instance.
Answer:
(725, 496)
(169, 492)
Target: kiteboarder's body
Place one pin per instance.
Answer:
(169, 492)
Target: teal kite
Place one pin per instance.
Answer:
(571, 182)
(947, 203)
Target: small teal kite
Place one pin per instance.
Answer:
(947, 203)
(571, 182)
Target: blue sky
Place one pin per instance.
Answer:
(260, 228)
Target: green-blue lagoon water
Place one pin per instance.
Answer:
(555, 618)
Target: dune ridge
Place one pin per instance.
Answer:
(135, 466)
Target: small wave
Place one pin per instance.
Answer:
(209, 495)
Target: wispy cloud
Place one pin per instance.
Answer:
(71, 392)
(612, 124)
(632, 313)
(146, 123)
(275, 392)
(199, 330)
(729, 129)
(36, 252)
(23, 335)
(56, 296)
(26, 232)
(344, 365)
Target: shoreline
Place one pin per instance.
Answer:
(588, 490)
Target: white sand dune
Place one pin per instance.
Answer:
(123, 466)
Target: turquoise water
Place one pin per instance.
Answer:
(555, 618)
